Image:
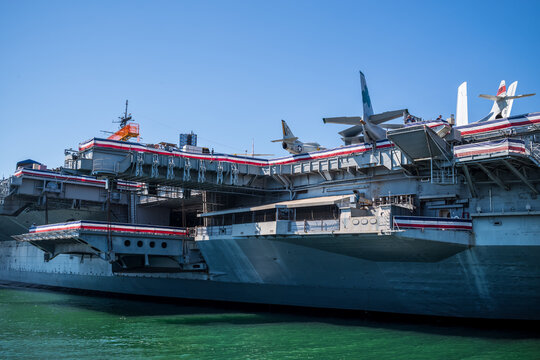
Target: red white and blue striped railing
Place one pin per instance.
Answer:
(433, 124)
(484, 127)
(316, 155)
(499, 124)
(420, 222)
(490, 147)
(113, 227)
(86, 180)
(465, 130)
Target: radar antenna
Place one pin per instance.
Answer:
(124, 119)
(126, 131)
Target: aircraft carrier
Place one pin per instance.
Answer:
(432, 219)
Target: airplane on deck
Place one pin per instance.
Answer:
(291, 143)
(502, 103)
(367, 128)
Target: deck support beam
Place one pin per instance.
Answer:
(493, 177)
(469, 181)
(520, 175)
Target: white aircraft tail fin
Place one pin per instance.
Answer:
(366, 100)
(503, 101)
(501, 92)
(502, 89)
(462, 115)
(510, 100)
(512, 89)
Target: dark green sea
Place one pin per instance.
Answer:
(41, 324)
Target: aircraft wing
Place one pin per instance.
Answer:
(519, 96)
(489, 97)
(392, 126)
(346, 120)
(386, 116)
(353, 140)
(352, 131)
(286, 139)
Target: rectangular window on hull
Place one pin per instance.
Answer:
(265, 215)
(328, 212)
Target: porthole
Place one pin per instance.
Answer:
(373, 221)
(152, 244)
(364, 221)
(164, 245)
(127, 243)
(356, 222)
(139, 243)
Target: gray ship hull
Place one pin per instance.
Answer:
(482, 281)
(412, 226)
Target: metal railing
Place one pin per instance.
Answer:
(301, 227)
(4, 187)
(443, 176)
(313, 226)
(535, 151)
(214, 230)
(4, 190)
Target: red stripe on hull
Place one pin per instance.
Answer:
(429, 226)
(111, 228)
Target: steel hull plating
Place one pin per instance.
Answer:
(487, 280)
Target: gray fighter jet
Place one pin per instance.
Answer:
(368, 128)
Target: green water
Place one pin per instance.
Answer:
(44, 324)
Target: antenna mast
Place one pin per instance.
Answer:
(124, 119)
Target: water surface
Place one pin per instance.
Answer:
(45, 324)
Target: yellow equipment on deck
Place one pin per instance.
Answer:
(127, 132)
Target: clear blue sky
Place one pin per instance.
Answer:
(230, 70)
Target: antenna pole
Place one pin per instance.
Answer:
(125, 113)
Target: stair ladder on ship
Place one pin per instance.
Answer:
(535, 153)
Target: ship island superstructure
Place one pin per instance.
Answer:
(434, 220)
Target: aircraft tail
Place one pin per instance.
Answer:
(495, 109)
(287, 133)
(510, 100)
(462, 116)
(502, 89)
(366, 100)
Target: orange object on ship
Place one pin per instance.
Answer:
(127, 132)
